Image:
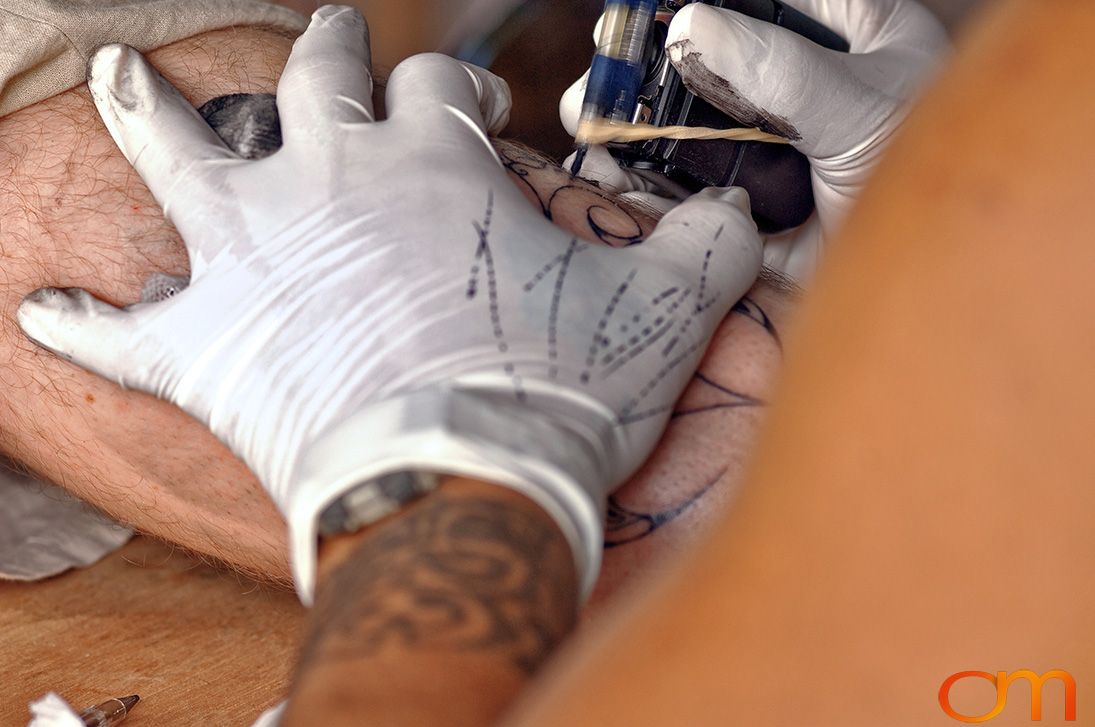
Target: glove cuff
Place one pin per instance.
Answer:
(550, 458)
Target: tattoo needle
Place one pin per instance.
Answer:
(579, 157)
(110, 712)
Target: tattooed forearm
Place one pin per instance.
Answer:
(454, 574)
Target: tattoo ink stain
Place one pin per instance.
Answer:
(599, 338)
(556, 301)
(247, 122)
(701, 305)
(700, 80)
(483, 254)
(664, 295)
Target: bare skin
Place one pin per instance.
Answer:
(72, 213)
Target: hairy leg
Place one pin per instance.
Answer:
(73, 213)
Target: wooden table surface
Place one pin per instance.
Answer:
(199, 645)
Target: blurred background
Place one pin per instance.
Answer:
(539, 46)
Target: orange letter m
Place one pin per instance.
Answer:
(1004, 681)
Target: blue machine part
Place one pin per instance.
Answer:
(619, 66)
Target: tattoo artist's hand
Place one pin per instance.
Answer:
(839, 109)
(377, 296)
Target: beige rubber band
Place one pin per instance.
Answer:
(603, 132)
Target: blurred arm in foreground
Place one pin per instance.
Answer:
(937, 405)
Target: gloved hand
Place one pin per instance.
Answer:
(840, 109)
(378, 297)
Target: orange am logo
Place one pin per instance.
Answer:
(1002, 681)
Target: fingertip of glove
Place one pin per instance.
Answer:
(687, 20)
(715, 214)
(346, 25)
(38, 296)
(120, 78)
(711, 37)
(570, 104)
(104, 59)
(30, 312)
(57, 299)
(736, 196)
(337, 15)
(492, 91)
(495, 96)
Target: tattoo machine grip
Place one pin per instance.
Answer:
(777, 177)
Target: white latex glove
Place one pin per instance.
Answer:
(378, 297)
(840, 109)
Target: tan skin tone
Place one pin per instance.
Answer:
(74, 214)
(921, 502)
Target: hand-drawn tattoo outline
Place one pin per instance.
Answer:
(627, 415)
(624, 526)
(621, 518)
(751, 309)
(484, 257)
(563, 263)
(736, 400)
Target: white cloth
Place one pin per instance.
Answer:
(45, 532)
(52, 711)
(45, 44)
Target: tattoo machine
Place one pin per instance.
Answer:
(631, 81)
